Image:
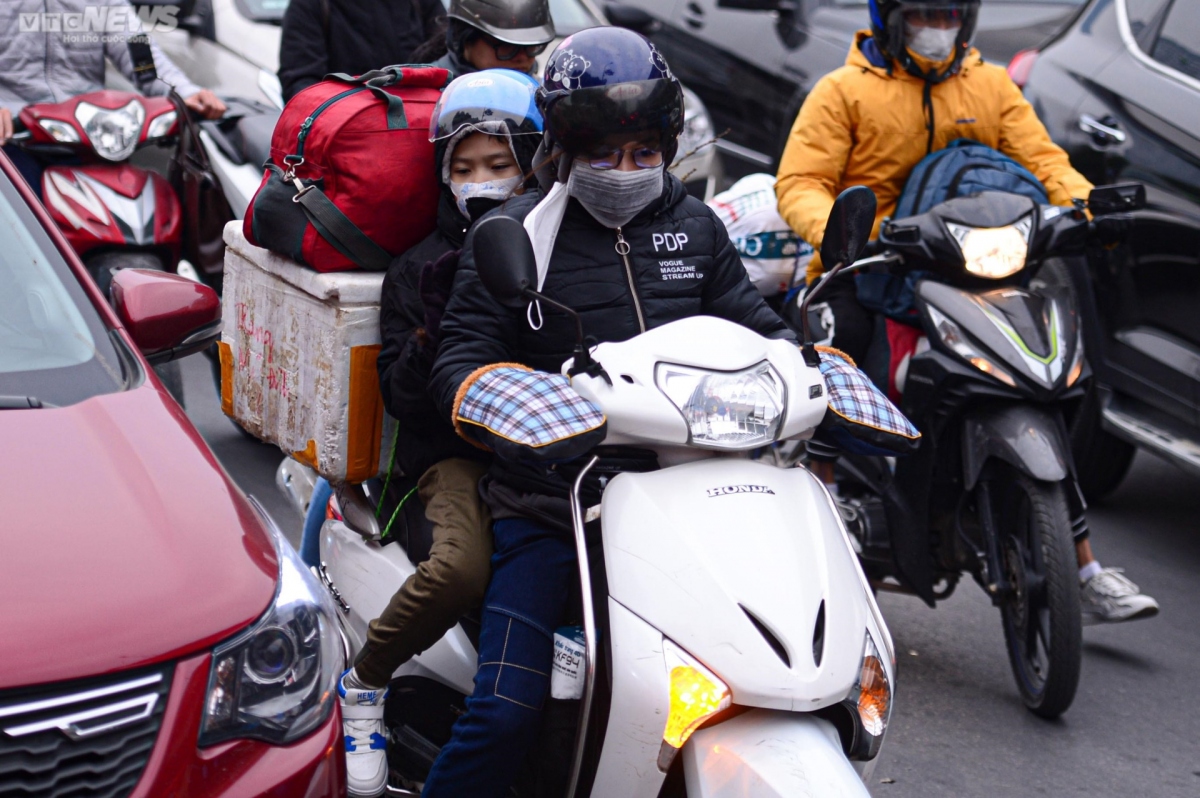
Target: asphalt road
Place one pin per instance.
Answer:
(958, 728)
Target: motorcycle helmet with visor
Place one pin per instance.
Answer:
(513, 22)
(605, 88)
(894, 23)
(477, 99)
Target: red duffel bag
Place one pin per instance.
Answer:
(350, 182)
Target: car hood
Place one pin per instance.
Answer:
(124, 540)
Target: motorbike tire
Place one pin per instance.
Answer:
(1038, 557)
(102, 267)
(1101, 459)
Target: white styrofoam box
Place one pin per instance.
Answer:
(298, 359)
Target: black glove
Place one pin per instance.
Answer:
(437, 278)
(1111, 229)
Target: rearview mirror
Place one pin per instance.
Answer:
(504, 260)
(1117, 199)
(848, 228)
(632, 18)
(757, 5)
(167, 316)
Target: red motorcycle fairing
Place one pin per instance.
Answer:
(64, 112)
(107, 205)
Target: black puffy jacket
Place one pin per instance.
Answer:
(352, 36)
(681, 263)
(424, 435)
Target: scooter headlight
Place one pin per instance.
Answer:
(996, 252)
(726, 410)
(952, 336)
(696, 695)
(113, 132)
(277, 680)
(60, 130)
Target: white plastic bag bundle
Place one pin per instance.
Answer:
(771, 252)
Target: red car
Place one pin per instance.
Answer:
(159, 636)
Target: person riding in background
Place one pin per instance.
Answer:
(320, 37)
(911, 84)
(613, 115)
(43, 62)
(486, 128)
(490, 34)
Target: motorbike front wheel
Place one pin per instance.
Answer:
(1041, 615)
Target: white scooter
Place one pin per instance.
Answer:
(739, 650)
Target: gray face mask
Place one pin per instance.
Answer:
(613, 197)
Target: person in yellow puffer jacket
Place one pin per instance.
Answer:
(911, 85)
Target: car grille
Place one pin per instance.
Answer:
(88, 738)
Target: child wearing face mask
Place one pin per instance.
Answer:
(485, 129)
(912, 84)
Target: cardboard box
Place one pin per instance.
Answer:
(298, 356)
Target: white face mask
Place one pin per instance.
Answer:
(936, 44)
(498, 190)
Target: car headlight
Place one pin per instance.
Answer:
(993, 252)
(277, 680)
(726, 410)
(869, 703)
(161, 125)
(113, 132)
(696, 695)
(952, 336)
(61, 131)
(697, 127)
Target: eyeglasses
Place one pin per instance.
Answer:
(643, 158)
(507, 52)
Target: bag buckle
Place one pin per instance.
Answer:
(293, 165)
(301, 189)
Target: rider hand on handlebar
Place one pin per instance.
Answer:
(6, 125)
(203, 102)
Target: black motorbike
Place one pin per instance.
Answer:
(992, 490)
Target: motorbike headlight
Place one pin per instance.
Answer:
(993, 252)
(952, 336)
(161, 125)
(697, 126)
(696, 695)
(61, 131)
(726, 410)
(113, 132)
(869, 703)
(276, 681)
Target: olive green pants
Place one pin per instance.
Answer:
(450, 583)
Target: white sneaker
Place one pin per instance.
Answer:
(366, 740)
(1108, 597)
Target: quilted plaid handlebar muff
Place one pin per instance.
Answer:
(527, 415)
(861, 419)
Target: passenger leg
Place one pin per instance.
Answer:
(532, 572)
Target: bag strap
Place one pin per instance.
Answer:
(339, 231)
(375, 81)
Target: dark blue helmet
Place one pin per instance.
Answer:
(609, 85)
(887, 28)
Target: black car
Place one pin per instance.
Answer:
(754, 61)
(1119, 89)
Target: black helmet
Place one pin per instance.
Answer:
(525, 22)
(609, 82)
(887, 28)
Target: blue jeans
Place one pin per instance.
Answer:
(310, 538)
(533, 569)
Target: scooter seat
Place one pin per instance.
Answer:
(256, 133)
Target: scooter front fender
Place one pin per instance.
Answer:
(770, 754)
(1029, 438)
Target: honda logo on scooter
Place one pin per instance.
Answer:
(729, 490)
